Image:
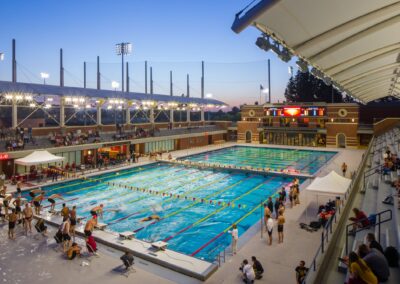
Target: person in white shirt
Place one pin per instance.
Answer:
(235, 236)
(270, 228)
(248, 272)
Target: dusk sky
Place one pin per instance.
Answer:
(171, 35)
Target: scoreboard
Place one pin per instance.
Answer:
(295, 111)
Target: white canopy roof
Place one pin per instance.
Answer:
(332, 183)
(355, 43)
(39, 157)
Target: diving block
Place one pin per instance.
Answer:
(160, 245)
(128, 235)
(100, 226)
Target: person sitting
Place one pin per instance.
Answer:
(127, 259)
(360, 271)
(258, 269)
(376, 261)
(74, 251)
(248, 275)
(360, 220)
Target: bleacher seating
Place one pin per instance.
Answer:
(377, 187)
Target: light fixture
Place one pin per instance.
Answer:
(76, 106)
(28, 97)
(49, 99)
(47, 106)
(87, 106)
(9, 97)
(263, 43)
(44, 76)
(1, 56)
(303, 66)
(19, 97)
(285, 55)
(68, 99)
(32, 105)
(109, 107)
(209, 95)
(119, 107)
(115, 85)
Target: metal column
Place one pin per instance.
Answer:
(127, 77)
(128, 115)
(14, 113)
(202, 114)
(151, 117)
(14, 63)
(202, 79)
(151, 80)
(61, 69)
(171, 115)
(188, 115)
(145, 77)
(171, 90)
(98, 115)
(84, 74)
(98, 73)
(62, 112)
(187, 86)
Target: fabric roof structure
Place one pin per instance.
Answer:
(39, 89)
(354, 43)
(38, 158)
(331, 184)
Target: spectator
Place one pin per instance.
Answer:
(248, 272)
(344, 169)
(276, 207)
(376, 261)
(360, 271)
(257, 267)
(91, 245)
(373, 244)
(74, 251)
(301, 272)
(360, 220)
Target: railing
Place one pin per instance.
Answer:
(328, 229)
(221, 257)
(368, 173)
(378, 223)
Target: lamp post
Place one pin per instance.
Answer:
(115, 86)
(123, 48)
(208, 96)
(44, 76)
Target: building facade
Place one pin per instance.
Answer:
(303, 124)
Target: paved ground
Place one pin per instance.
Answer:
(35, 259)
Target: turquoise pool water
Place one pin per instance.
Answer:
(306, 161)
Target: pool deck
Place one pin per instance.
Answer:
(278, 263)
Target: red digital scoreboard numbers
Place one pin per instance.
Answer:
(295, 111)
(4, 156)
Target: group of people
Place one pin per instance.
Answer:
(391, 162)
(251, 272)
(368, 265)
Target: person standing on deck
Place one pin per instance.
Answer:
(344, 169)
(235, 236)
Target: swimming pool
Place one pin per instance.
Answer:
(197, 207)
(276, 159)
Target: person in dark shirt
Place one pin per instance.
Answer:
(270, 204)
(258, 269)
(301, 272)
(127, 259)
(276, 205)
(373, 243)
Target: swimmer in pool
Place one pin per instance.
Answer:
(152, 217)
(33, 192)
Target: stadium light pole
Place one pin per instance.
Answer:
(123, 48)
(44, 76)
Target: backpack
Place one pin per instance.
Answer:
(392, 256)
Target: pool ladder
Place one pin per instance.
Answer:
(221, 257)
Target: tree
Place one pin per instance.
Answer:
(304, 87)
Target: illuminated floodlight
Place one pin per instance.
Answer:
(49, 99)
(209, 95)
(265, 91)
(115, 85)
(74, 100)
(32, 105)
(9, 97)
(44, 76)
(68, 99)
(81, 100)
(47, 106)
(87, 106)
(19, 97)
(119, 107)
(109, 107)
(76, 106)
(1, 56)
(28, 97)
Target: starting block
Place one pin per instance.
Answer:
(159, 245)
(127, 235)
(100, 226)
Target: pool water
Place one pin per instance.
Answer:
(194, 223)
(276, 159)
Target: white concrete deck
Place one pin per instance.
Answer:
(279, 260)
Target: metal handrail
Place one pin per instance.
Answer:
(378, 223)
(326, 233)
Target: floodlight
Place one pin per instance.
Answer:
(303, 66)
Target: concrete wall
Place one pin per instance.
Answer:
(385, 124)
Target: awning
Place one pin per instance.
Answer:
(331, 184)
(39, 157)
(353, 43)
